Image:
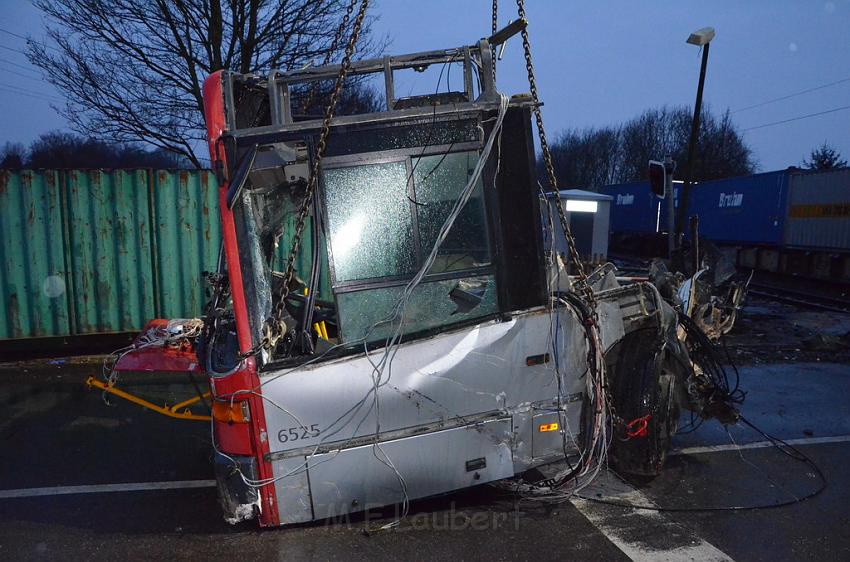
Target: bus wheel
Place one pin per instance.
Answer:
(643, 392)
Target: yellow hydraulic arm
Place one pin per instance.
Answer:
(179, 411)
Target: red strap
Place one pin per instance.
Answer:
(637, 427)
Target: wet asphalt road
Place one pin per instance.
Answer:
(54, 433)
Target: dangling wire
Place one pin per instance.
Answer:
(494, 28)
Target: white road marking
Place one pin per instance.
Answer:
(181, 484)
(627, 528)
(105, 488)
(642, 534)
(759, 445)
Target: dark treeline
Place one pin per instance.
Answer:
(595, 157)
(60, 150)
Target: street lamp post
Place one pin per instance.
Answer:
(701, 38)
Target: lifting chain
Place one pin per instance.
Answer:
(583, 284)
(343, 25)
(274, 327)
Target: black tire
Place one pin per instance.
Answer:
(641, 383)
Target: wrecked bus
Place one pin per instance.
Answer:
(426, 347)
(389, 322)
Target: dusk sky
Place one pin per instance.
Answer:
(598, 63)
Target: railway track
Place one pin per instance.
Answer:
(771, 288)
(799, 298)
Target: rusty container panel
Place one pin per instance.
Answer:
(187, 238)
(108, 220)
(819, 211)
(33, 273)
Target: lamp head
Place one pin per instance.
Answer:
(701, 37)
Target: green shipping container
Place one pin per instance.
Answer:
(186, 237)
(34, 272)
(100, 251)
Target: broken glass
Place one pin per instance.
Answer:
(370, 227)
(430, 305)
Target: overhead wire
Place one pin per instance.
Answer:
(6, 31)
(25, 90)
(29, 93)
(29, 40)
(789, 96)
(22, 75)
(798, 118)
(27, 68)
(20, 52)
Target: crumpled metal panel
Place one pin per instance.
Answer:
(434, 463)
(33, 274)
(453, 379)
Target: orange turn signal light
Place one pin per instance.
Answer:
(227, 412)
(548, 427)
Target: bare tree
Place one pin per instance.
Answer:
(650, 136)
(596, 157)
(721, 151)
(132, 70)
(587, 159)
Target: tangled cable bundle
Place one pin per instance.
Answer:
(719, 390)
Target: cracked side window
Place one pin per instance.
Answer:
(438, 182)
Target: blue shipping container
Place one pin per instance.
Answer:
(748, 209)
(634, 208)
